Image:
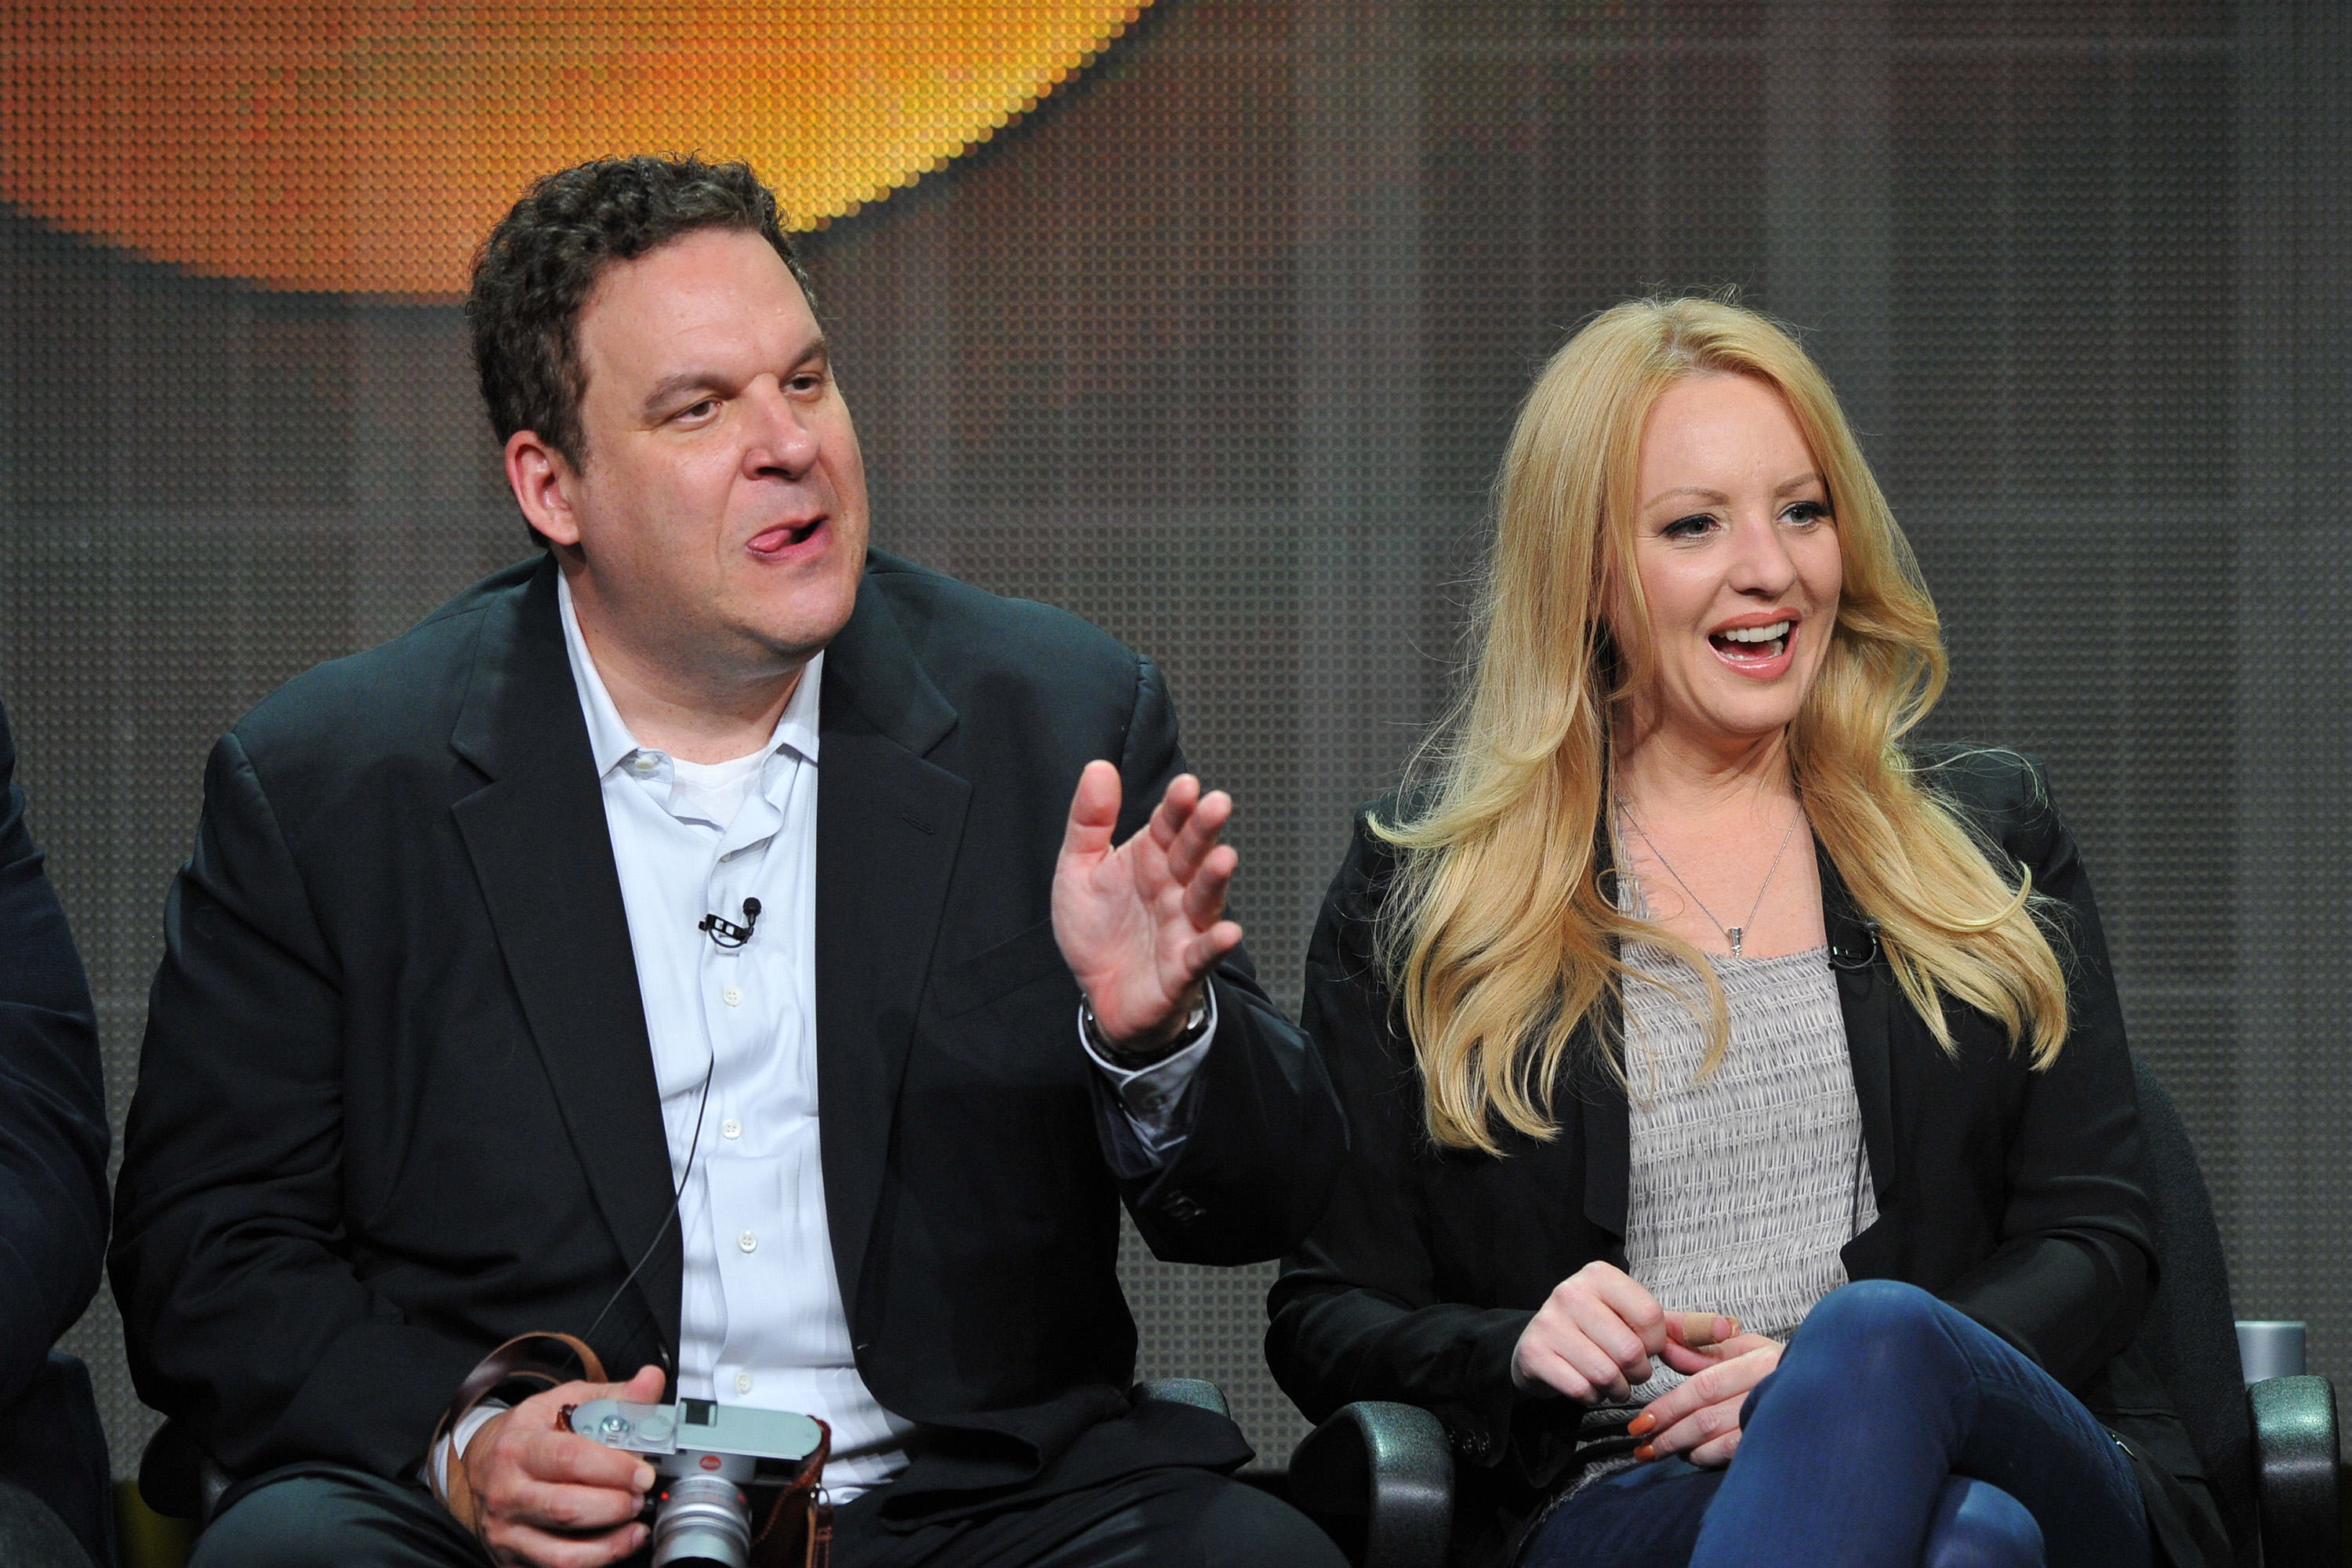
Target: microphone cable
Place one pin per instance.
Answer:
(676, 1199)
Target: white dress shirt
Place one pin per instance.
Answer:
(761, 1316)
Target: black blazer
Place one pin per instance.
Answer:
(396, 1100)
(2012, 1195)
(53, 1141)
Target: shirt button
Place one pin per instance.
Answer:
(732, 996)
(742, 1383)
(746, 1241)
(726, 856)
(734, 1129)
(643, 763)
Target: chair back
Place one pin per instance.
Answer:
(2190, 1335)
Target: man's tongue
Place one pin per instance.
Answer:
(777, 539)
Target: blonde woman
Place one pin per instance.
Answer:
(1728, 1078)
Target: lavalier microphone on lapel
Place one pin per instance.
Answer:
(1848, 953)
(726, 932)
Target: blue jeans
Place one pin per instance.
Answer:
(1895, 1433)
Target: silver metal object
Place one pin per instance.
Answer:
(706, 1454)
(2270, 1347)
(703, 1520)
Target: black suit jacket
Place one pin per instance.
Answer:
(53, 1141)
(2014, 1195)
(396, 1100)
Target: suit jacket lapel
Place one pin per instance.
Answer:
(543, 856)
(888, 827)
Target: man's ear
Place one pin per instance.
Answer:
(542, 481)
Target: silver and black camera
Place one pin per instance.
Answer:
(712, 1456)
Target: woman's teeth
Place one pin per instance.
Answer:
(1753, 642)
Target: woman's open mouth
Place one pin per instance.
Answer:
(1754, 646)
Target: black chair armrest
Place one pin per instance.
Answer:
(2296, 1481)
(1378, 1479)
(1194, 1391)
(178, 1479)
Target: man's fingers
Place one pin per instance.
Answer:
(1197, 839)
(1208, 949)
(1094, 812)
(1204, 895)
(1175, 811)
(550, 1504)
(565, 1458)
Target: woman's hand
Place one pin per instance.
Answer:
(1700, 1418)
(1594, 1336)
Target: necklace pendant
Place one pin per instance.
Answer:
(1735, 934)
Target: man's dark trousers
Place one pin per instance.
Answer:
(396, 1102)
(1179, 1517)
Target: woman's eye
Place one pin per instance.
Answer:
(1805, 513)
(1688, 527)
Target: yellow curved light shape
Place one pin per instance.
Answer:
(367, 148)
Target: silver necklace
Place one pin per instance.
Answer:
(1732, 934)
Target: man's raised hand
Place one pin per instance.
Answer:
(1140, 925)
(534, 1495)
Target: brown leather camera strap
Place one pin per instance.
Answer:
(798, 1530)
(511, 1360)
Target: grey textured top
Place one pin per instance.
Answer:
(1744, 1185)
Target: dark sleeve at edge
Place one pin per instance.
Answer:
(53, 1133)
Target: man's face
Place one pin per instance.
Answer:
(720, 510)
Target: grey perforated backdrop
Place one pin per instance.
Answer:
(1219, 349)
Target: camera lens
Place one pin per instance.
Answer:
(703, 1521)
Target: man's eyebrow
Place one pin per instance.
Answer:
(669, 388)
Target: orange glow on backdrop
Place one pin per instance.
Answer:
(366, 148)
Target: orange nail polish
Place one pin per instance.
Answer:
(1645, 1452)
(1640, 1425)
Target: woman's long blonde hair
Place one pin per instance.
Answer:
(1500, 938)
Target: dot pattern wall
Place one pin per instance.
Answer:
(366, 147)
(1218, 348)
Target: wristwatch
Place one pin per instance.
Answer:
(1196, 1023)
